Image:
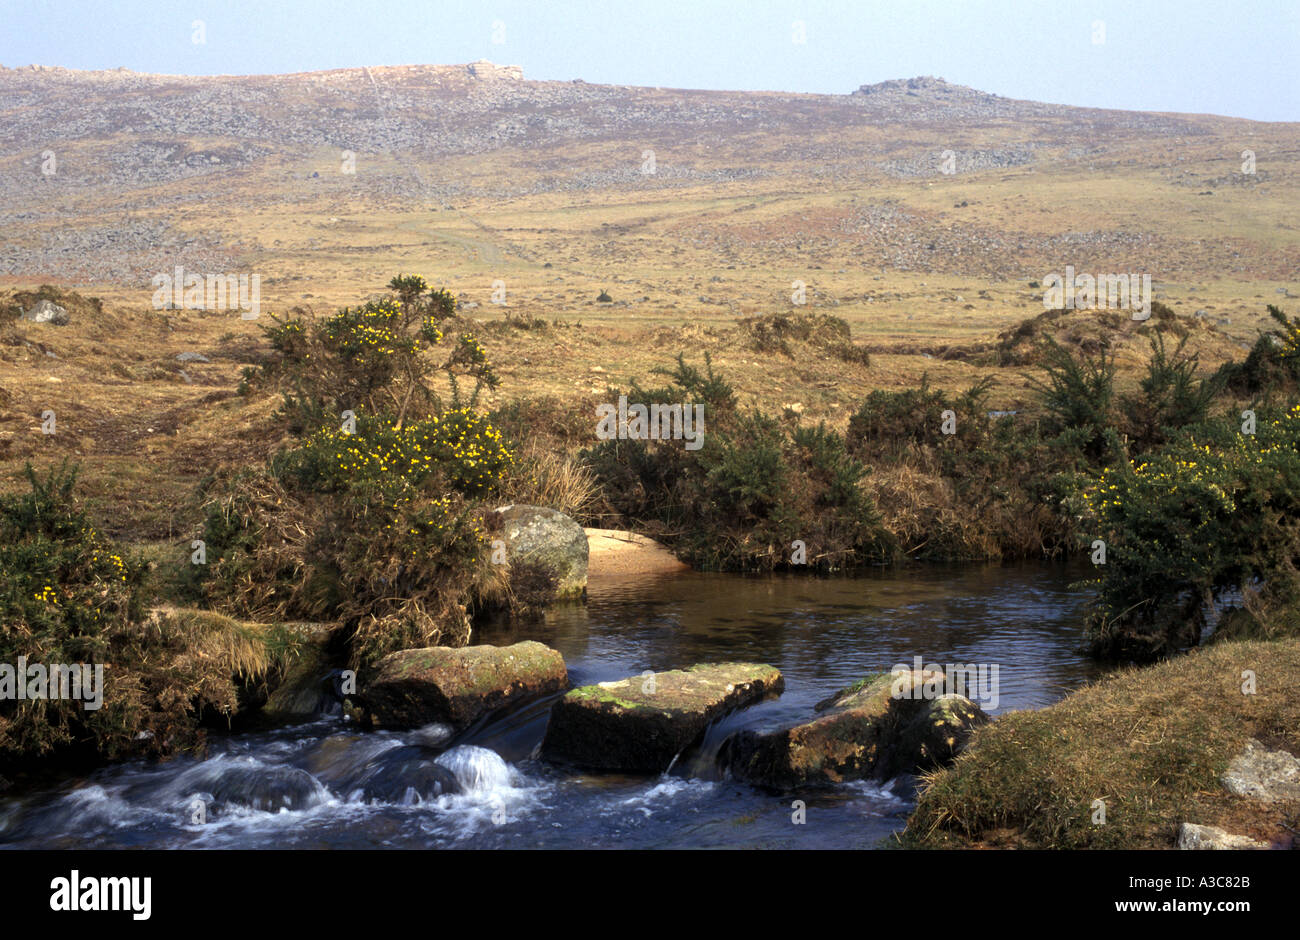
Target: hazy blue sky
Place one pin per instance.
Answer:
(1237, 57)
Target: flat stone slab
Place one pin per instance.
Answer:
(1194, 837)
(881, 726)
(455, 686)
(1263, 774)
(642, 723)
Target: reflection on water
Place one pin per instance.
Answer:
(825, 633)
(322, 785)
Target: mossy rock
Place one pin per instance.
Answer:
(642, 723)
(538, 538)
(880, 726)
(455, 686)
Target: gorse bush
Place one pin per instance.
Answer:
(1077, 394)
(1214, 514)
(374, 521)
(458, 450)
(889, 421)
(374, 357)
(1171, 396)
(987, 490)
(688, 384)
(1272, 369)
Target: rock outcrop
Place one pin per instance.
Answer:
(47, 311)
(455, 686)
(642, 723)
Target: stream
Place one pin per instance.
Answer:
(324, 785)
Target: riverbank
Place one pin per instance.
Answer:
(1151, 744)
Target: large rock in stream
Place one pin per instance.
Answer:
(455, 686)
(882, 726)
(640, 724)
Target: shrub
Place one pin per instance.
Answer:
(68, 596)
(989, 490)
(397, 569)
(1077, 394)
(1214, 514)
(457, 449)
(1171, 396)
(754, 486)
(1272, 368)
(888, 422)
(374, 523)
(373, 358)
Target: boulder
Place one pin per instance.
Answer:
(884, 725)
(1263, 774)
(47, 311)
(541, 537)
(1192, 836)
(642, 723)
(229, 784)
(455, 686)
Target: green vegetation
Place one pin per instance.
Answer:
(69, 596)
(1192, 510)
(373, 515)
(1213, 515)
(755, 486)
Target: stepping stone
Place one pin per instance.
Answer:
(642, 723)
(455, 686)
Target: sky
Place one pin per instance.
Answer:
(1230, 57)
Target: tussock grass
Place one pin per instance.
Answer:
(1151, 742)
(543, 477)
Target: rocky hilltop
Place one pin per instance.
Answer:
(112, 175)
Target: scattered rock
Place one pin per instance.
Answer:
(47, 311)
(456, 687)
(1192, 836)
(542, 537)
(642, 723)
(880, 727)
(1263, 774)
(192, 357)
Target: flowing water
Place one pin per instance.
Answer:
(323, 785)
